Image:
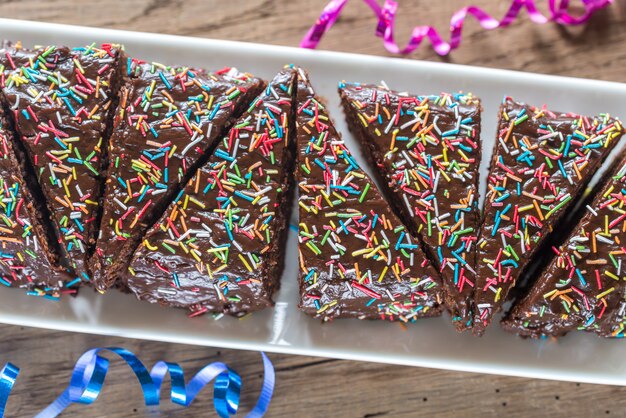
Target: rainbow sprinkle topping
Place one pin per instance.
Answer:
(540, 166)
(60, 100)
(219, 246)
(583, 287)
(356, 257)
(167, 121)
(427, 151)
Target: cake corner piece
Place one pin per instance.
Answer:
(60, 100)
(220, 246)
(29, 259)
(581, 288)
(153, 154)
(426, 151)
(357, 260)
(541, 164)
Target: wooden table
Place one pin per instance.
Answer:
(308, 386)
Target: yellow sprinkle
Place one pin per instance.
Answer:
(149, 246)
(303, 206)
(603, 294)
(360, 252)
(245, 263)
(382, 274)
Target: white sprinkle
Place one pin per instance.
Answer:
(411, 122)
(195, 138)
(436, 125)
(254, 264)
(259, 118)
(391, 122)
(314, 285)
(590, 209)
(562, 285)
(408, 205)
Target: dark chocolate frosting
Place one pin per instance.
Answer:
(60, 100)
(26, 261)
(356, 258)
(427, 151)
(219, 246)
(584, 286)
(541, 164)
(167, 120)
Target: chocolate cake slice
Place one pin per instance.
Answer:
(427, 151)
(583, 287)
(167, 121)
(541, 163)
(60, 100)
(219, 247)
(27, 258)
(356, 258)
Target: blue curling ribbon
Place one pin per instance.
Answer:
(91, 369)
(8, 374)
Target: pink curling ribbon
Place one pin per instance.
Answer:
(387, 13)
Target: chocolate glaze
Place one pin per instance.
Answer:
(26, 261)
(583, 287)
(60, 100)
(167, 121)
(427, 150)
(356, 257)
(219, 247)
(541, 164)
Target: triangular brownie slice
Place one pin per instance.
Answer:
(584, 286)
(541, 163)
(356, 257)
(27, 260)
(61, 100)
(167, 120)
(220, 245)
(427, 151)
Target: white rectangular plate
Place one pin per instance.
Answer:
(429, 343)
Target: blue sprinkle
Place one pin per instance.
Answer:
(167, 83)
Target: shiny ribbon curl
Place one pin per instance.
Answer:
(91, 369)
(8, 375)
(386, 15)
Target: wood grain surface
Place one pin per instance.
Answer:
(307, 386)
